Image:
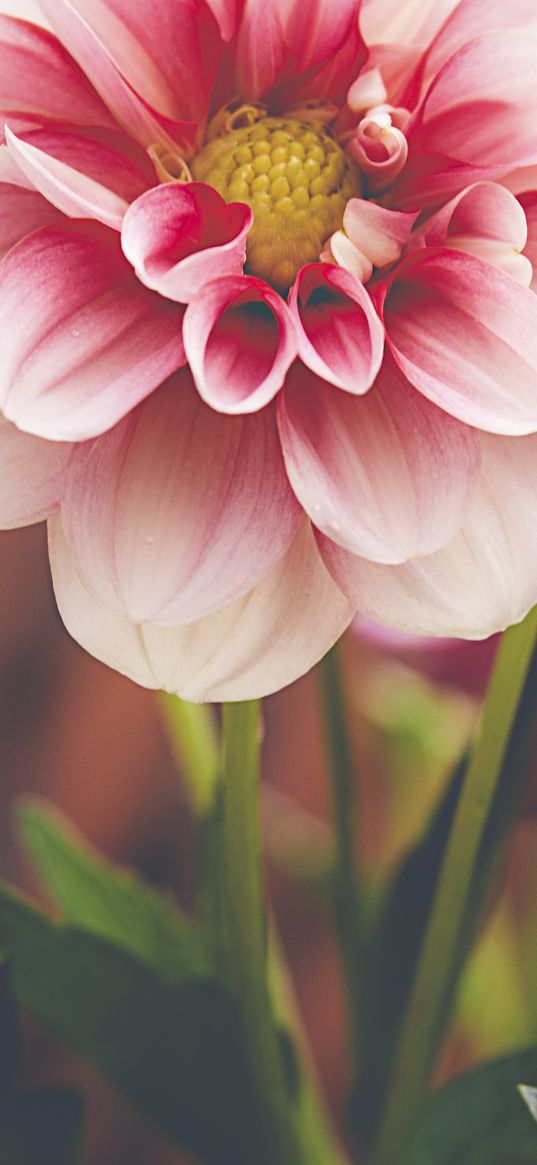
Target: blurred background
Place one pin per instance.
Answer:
(94, 744)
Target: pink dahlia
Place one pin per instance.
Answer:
(269, 325)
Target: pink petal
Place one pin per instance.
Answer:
(240, 341)
(484, 220)
(340, 336)
(529, 205)
(82, 176)
(466, 23)
(483, 580)
(256, 645)
(180, 236)
(279, 50)
(32, 472)
(82, 341)
(226, 14)
(387, 476)
(479, 109)
(21, 212)
(466, 335)
(391, 22)
(179, 510)
(122, 70)
(39, 79)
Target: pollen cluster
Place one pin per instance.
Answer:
(296, 179)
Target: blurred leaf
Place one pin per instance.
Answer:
(394, 957)
(529, 1096)
(174, 1051)
(9, 1032)
(43, 1125)
(107, 900)
(406, 913)
(478, 1119)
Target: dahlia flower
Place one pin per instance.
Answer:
(269, 325)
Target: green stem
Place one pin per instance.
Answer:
(346, 879)
(192, 736)
(434, 984)
(247, 931)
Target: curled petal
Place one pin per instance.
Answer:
(178, 510)
(379, 234)
(380, 149)
(180, 236)
(239, 340)
(91, 341)
(21, 212)
(387, 476)
(32, 473)
(484, 220)
(340, 336)
(466, 335)
(252, 647)
(81, 176)
(40, 82)
(480, 582)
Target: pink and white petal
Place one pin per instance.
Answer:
(390, 22)
(39, 79)
(465, 335)
(178, 510)
(466, 23)
(21, 212)
(169, 53)
(82, 177)
(483, 580)
(90, 342)
(465, 117)
(32, 473)
(378, 233)
(529, 204)
(88, 40)
(253, 647)
(387, 476)
(240, 341)
(340, 336)
(485, 220)
(181, 236)
(292, 58)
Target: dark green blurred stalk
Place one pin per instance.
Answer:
(347, 897)
(439, 963)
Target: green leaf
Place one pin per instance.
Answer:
(107, 900)
(174, 1050)
(9, 1032)
(42, 1125)
(477, 1119)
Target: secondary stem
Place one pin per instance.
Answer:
(346, 882)
(434, 983)
(247, 930)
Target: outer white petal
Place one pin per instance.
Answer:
(484, 580)
(255, 646)
(32, 472)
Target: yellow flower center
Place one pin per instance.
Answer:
(296, 179)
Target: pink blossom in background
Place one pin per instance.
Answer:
(269, 325)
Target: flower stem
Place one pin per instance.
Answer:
(346, 879)
(192, 736)
(248, 931)
(435, 980)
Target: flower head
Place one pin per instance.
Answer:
(269, 325)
